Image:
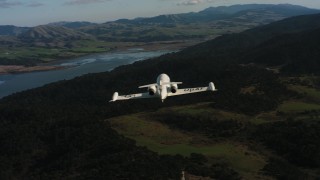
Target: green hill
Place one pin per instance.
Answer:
(30, 46)
(208, 23)
(9, 30)
(55, 35)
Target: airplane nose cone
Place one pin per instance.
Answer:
(163, 93)
(163, 96)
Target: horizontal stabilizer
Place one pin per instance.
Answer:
(171, 83)
(148, 85)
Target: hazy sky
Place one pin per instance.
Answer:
(36, 12)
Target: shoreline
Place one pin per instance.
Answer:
(14, 69)
(13, 83)
(148, 46)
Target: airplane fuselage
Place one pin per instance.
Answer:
(163, 82)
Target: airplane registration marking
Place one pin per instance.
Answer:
(193, 89)
(130, 96)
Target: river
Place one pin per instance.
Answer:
(11, 83)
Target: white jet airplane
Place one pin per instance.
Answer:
(162, 89)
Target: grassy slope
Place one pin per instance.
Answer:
(164, 140)
(308, 104)
(309, 100)
(297, 106)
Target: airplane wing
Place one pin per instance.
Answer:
(210, 87)
(116, 96)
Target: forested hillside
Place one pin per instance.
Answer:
(276, 44)
(59, 131)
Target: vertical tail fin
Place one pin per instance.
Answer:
(212, 87)
(114, 97)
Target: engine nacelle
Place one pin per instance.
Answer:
(152, 90)
(174, 88)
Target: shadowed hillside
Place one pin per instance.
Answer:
(274, 44)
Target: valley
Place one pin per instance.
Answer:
(30, 46)
(31, 56)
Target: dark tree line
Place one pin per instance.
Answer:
(296, 141)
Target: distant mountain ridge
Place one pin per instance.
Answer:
(206, 15)
(9, 30)
(224, 12)
(85, 37)
(56, 35)
(72, 25)
(288, 9)
(50, 32)
(186, 25)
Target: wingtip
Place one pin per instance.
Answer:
(114, 97)
(212, 87)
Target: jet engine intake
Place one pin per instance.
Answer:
(152, 90)
(174, 88)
